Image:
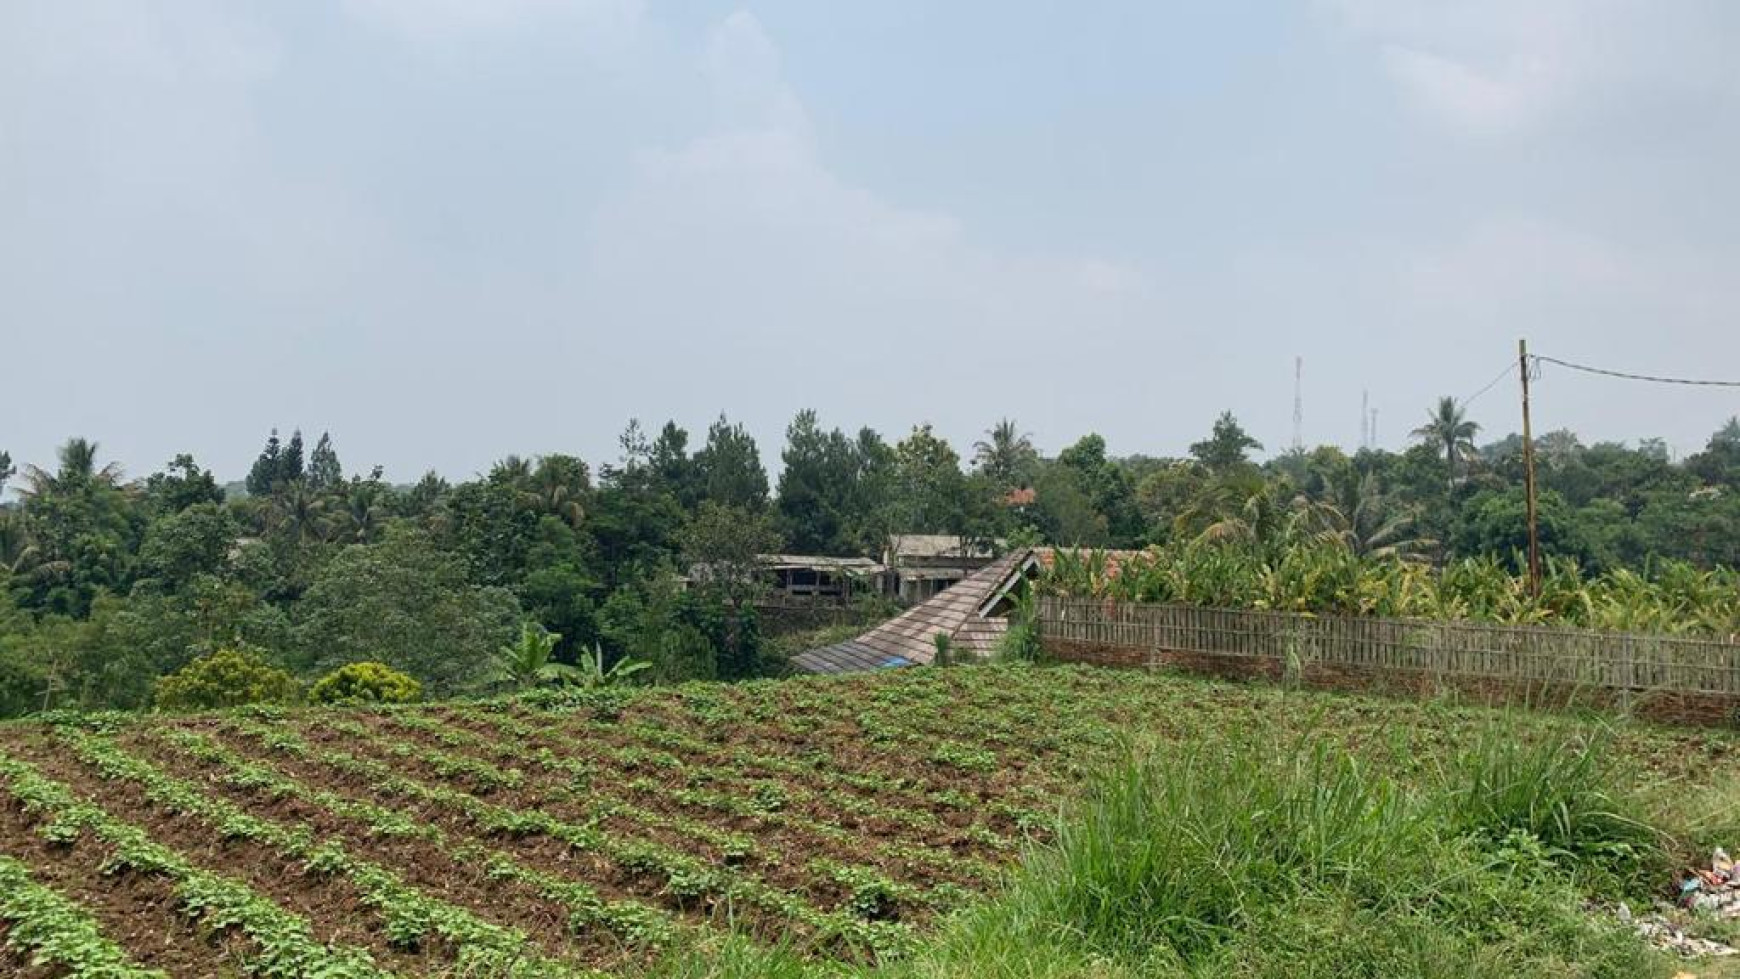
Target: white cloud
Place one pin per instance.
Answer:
(1500, 67)
(742, 69)
(746, 241)
(1478, 102)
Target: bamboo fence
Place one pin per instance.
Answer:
(1523, 654)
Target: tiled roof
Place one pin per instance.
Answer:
(850, 656)
(910, 638)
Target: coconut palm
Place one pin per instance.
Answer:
(1447, 427)
(1242, 506)
(1372, 524)
(298, 511)
(1006, 455)
(78, 468)
(364, 510)
(17, 551)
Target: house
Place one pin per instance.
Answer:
(804, 579)
(922, 565)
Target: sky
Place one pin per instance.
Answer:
(450, 230)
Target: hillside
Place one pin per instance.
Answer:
(553, 836)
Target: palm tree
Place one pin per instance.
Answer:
(512, 471)
(1007, 455)
(1447, 427)
(558, 484)
(298, 511)
(363, 510)
(78, 467)
(17, 551)
(1372, 524)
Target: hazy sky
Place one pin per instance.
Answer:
(448, 230)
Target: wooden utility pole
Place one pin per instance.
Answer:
(1522, 355)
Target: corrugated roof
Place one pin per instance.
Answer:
(911, 636)
(854, 564)
(938, 545)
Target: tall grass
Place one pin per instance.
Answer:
(1250, 858)
(1244, 856)
(1566, 796)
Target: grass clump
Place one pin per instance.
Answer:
(1567, 799)
(1255, 859)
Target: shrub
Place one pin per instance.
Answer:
(944, 649)
(1021, 643)
(227, 677)
(374, 683)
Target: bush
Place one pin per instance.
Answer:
(227, 677)
(374, 683)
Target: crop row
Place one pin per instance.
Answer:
(54, 933)
(282, 943)
(856, 880)
(683, 877)
(641, 924)
(870, 893)
(864, 795)
(411, 919)
(727, 792)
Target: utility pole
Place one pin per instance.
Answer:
(1365, 419)
(1522, 356)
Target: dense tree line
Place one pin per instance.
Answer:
(107, 584)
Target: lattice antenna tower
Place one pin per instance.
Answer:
(1298, 404)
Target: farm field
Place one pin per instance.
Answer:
(839, 818)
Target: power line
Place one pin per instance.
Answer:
(1508, 367)
(1538, 360)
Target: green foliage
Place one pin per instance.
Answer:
(721, 545)
(324, 470)
(228, 677)
(112, 584)
(944, 649)
(372, 683)
(930, 490)
(1275, 860)
(1448, 429)
(403, 603)
(1006, 457)
(56, 933)
(1564, 795)
(528, 662)
(728, 468)
(1322, 576)
(683, 634)
(1227, 447)
(1021, 641)
(834, 491)
(592, 672)
(192, 541)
